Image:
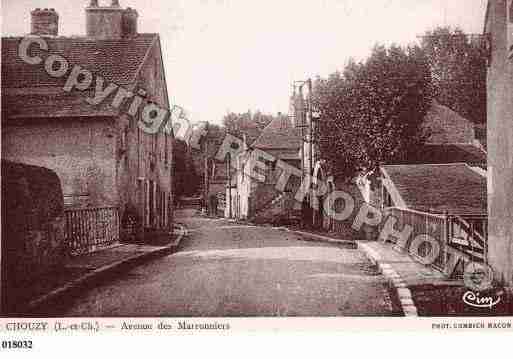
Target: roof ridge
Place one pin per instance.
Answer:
(426, 164)
(143, 61)
(262, 133)
(80, 37)
(285, 131)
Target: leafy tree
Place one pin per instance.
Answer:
(248, 124)
(186, 180)
(372, 112)
(458, 64)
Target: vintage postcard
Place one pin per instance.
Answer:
(230, 165)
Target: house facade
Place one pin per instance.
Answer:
(281, 140)
(98, 150)
(499, 28)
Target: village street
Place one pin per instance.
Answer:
(225, 269)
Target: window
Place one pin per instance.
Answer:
(165, 149)
(151, 203)
(270, 167)
(387, 198)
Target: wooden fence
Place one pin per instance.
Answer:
(90, 229)
(466, 234)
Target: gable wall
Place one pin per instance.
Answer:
(500, 143)
(81, 152)
(133, 168)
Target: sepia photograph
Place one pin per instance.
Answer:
(197, 165)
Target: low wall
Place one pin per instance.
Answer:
(32, 229)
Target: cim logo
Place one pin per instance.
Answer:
(478, 277)
(475, 300)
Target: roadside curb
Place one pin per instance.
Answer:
(320, 238)
(109, 268)
(403, 292)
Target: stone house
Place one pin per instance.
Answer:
(451, 140)
(250, 198)
(499, 29)
(99, 151)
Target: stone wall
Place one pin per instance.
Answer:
(32, 229)
(81, 152)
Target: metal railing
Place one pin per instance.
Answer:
(90, 229)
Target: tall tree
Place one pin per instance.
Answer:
(246, 124)
(458, 64)
(372, 112)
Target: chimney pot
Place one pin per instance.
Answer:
(104, 22)
(130, 22)
(44, 22)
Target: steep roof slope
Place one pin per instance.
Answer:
(455, 188)
(445, 153)
(446, 126)
(29, 91)
(280, 134)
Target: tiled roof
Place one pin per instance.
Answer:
(446, 153)
(279, 134)
(455, 188)
(61, 104)
(116, 60)
(447, 126)
(32, 92)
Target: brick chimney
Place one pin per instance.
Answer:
(45, 22)
(130, 22)
(110, 22)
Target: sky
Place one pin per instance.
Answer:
(240, 55)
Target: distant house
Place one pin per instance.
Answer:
(99, 152)
(217, 184)
(281, 139)
(451, 141)
(445, 126)
(499, 29)
(209, 172)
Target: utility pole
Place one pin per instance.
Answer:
(306, 168)
(310, 148)
(229, 162)
(206, 176)
(310, 123)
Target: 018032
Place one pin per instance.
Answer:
(16, 344)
